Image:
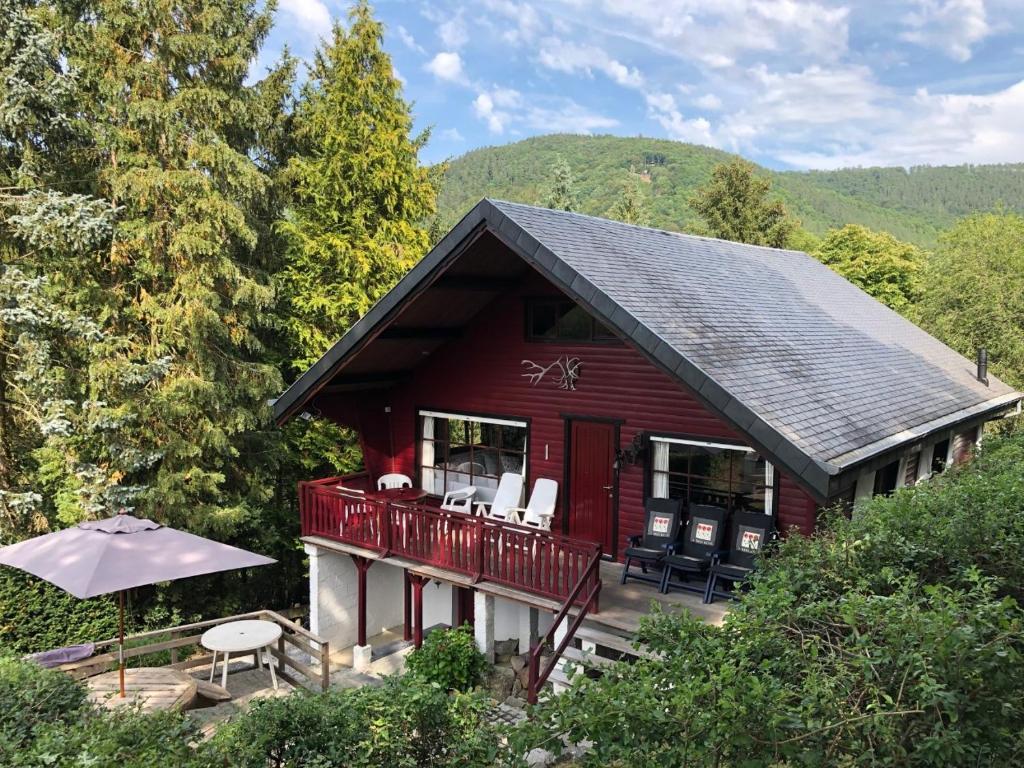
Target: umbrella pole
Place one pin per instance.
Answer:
(120, 640)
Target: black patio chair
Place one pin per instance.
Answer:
(701, 539)
(661, 528)
(749, 534)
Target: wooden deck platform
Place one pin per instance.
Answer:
(153, 688)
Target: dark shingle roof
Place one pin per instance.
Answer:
(817, 373)
(827, 365)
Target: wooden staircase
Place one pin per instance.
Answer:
(595, 647)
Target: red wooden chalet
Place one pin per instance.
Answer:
(623, 363)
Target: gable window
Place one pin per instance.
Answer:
(562, 320)
(701, 472)
(457, 450)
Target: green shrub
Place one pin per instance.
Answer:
(37, 616)
(122, 738)
(32, 698)
(449, 658)
(405, 723)
(894, 638)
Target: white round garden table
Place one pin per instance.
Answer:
(241, 637)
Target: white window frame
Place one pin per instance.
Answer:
(432, 414)
(769, 468)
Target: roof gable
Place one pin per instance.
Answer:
(817, 373)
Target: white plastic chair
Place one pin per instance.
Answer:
(459, 500)
(393, 480)
(506, 498)
(539, 511)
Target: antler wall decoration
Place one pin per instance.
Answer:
(569, 368)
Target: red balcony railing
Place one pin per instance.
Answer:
(539, 562)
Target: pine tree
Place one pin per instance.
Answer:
(734, 205)
(562, 194)
(631, 207)
(361, 201)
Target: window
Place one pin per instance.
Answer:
(562, 320)
(699, 472)
(887, 478)
(458, 450)
(939, 454)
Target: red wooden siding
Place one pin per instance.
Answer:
(482, 373)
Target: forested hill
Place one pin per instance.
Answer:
(913, 205)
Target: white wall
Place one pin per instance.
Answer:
(334, 598)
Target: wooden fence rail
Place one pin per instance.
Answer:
(174, 639)
(528, 559)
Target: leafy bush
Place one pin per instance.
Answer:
(894, 638)
(123, 738)
(449, 658)
(405, 723)
(37, 616)
(32, 698)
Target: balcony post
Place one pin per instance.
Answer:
(417, 583)
(406, 606)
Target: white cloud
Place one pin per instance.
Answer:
(708, 101)
(564, 56)
(663, 108)
(521, 21)
(503, 108)
(952, 26)
(452, 32)
(311, 15)
(492, 107)
(446, 65)
(719, 34)
(452, 135)
(408, 40)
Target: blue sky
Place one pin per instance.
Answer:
(787, 83)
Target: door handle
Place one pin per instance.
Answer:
(608, 487)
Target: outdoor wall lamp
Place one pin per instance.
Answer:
(631, 454)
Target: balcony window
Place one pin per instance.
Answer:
(457, 450)
(703, 472)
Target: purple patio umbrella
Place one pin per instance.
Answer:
(119, 553)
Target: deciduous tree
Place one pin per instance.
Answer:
(973, 291)
(877, 262)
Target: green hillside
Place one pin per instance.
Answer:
(913, 205)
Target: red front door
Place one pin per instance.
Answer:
(592, 482)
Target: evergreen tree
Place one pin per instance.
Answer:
(562, 194)
(631, 207)
(877, 262)
(361, 202)
(144, 298)
(734, 205)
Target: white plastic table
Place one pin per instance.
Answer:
(241, 637)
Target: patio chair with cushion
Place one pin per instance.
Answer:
(661, 528)
(393, 480)
(540, 509)
(506, 499)
(459, 500)
(749, 534)
(701, 539)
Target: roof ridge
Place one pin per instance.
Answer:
(659, 230)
